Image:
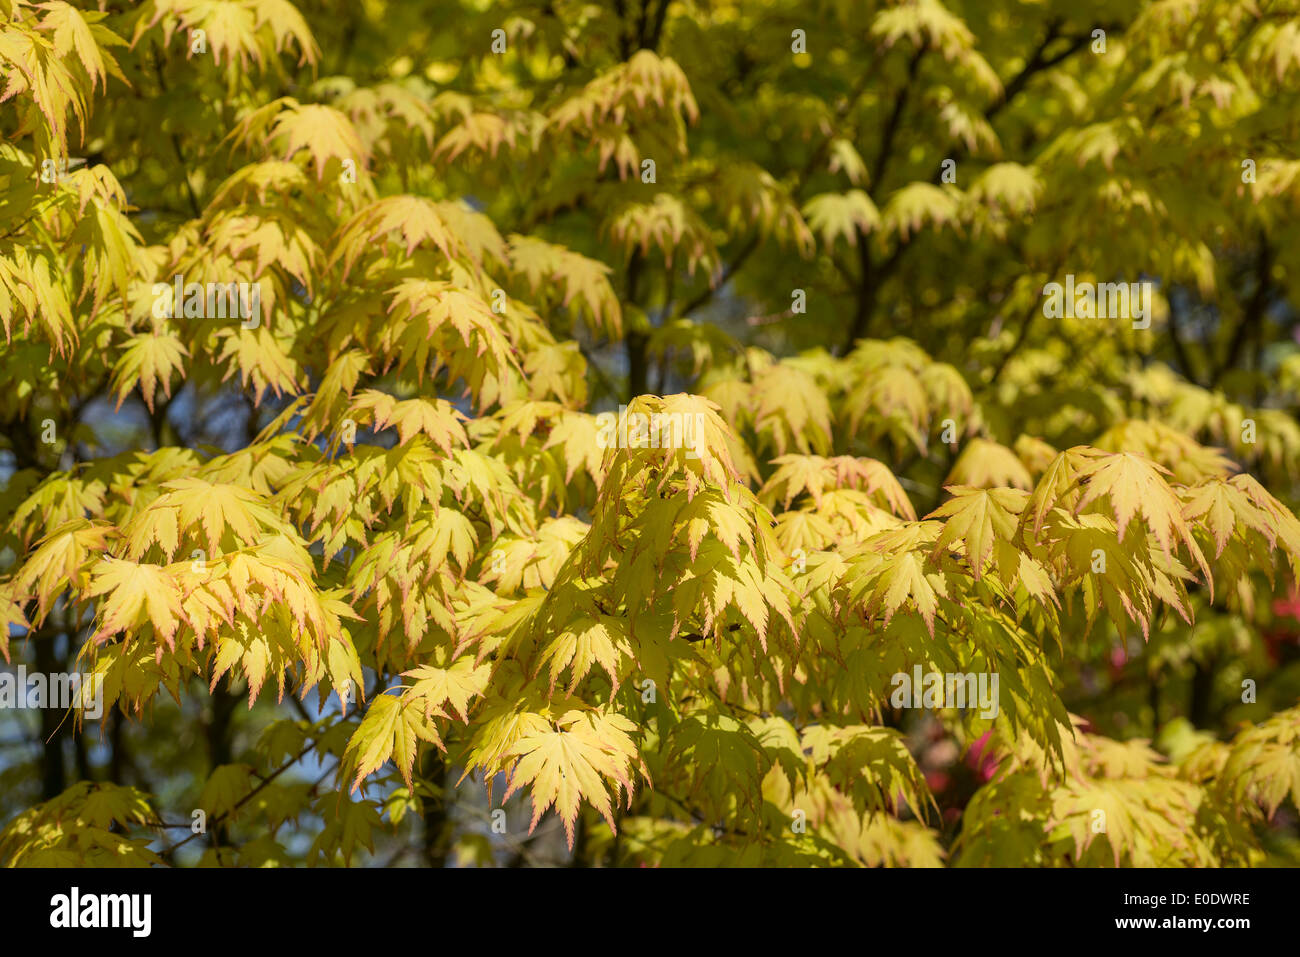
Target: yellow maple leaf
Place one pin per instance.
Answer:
(576, 759)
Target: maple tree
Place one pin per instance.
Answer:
(315, 314)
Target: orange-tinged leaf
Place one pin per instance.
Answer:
(979, 518)
(575, 760)
(391, 729)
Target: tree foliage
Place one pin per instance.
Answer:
(332, 334)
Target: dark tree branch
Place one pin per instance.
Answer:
(1180, 348)
(894, 122)
(1253, 315)
(868, 279)
(657, 31)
